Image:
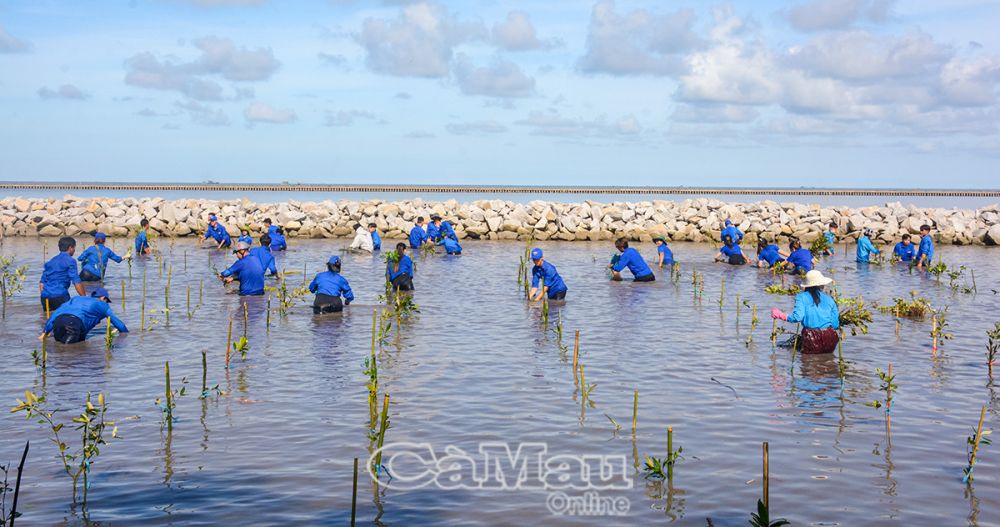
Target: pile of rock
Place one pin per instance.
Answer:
(690, 220)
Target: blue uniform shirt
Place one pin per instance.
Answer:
(446, 231)
(732, 232)
(631, 259)
(376, 241)
(405, 267)
(668, 255)
(801, 259)
(91, 311)
(245, 238)
(141, 242)
(250, 274)
(925, 253)
(95, 259)
(332, 284)
(218, 233)
(277, 240)
(266, 259)
(903, 251)
(831, 240)
(417, 236)
(865, 249)
(433, 233)
(770, 255)
(450, 245)
(731, 251)
(812, 316)
(552, 279)
(60, 271)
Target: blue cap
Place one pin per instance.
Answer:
(211, 217)
(729, 222)
(536, 254)
(334, 260)
(100, 236)
(99, 292)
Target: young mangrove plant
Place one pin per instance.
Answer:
(371, 371)
(992, 346)
(977, 438)
(722, 291)
(206, 391)
(888, 386)
(11, 279)
(169, 401)
(663, 468)
(780, 289)
(753, 322)
(7, 518)
(854, 314)
(586, 389)
(92, 425)
(915, 307)
(383, 426)
(614, 423)
(819, 246)
(938, 326)
(762, 518)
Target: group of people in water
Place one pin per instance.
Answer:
(70, 320)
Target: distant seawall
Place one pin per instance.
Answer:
(690, 220)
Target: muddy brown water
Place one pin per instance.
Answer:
(477, 365)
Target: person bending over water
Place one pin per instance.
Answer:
(630, 258)
(73, 320)
(730, 252)
(247, 270)
(799, 258)
(418, 236)
(730, 230)
(904, 250)
(400, 271)
(362, 239)
(277, 235)
(545, 274)
(451, 245)
(217, 232)
(95, 259)
(329, 286)
(768, 254)
(818, 313)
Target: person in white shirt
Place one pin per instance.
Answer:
(362, 239)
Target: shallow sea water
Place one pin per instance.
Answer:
(477, 365)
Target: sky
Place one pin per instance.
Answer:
(829, 93)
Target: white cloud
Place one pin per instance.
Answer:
(419, 134)
(11, 44)
(219, 57)
(259, 112)
(516, 33)
(862, 55)
(639, 42)
(817, 15)
(553, 124)
(347, 117)
(716, 113)
(476, 128)
(501, 79)
(420, 42)
(66, 91)
(202, 114)
(333, 59)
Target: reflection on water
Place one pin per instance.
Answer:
(477, 364)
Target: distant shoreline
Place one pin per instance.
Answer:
(499, 189)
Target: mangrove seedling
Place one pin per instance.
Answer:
(383, 426)
(915, 307)
(762, 517)
(11, 279)
(663, 468)
(371, 371)
(242, 345)
(722, 291)
(855, 315)
(614, 423)
(169, 402)
(92, 426)
(586, 389)
(776, 289)
(972, 445)
(992, 346)
(938, 325)
(6, 489)
(937, 269)
(205, 390)
(819, 246)
(888, 386)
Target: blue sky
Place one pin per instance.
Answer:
(875, 93)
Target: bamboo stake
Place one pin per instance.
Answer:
(897, 321)
(975, 448)
(189, 301)
(17, 486)
(670, 453)
(576, 350)
(246, 320)
(934, 337)
(766, 475)
(269, 312)
(888, 406)
(381, 432)
(123, 295)
(204, 373)
(774, 331)
(635, 410)
(185, 261)
(107, 336)
(229, 341)
(170, 411)
(354, 494)
(840, 355)
(48, 311)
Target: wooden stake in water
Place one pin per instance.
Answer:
(354, 494)
(189, 301)
(381, 432)
(201, 284)
(246, 320)
(107, 336)
(142, 314)
(774, 331)
(888, 405)
(268, 312)
(185, 261)
(635, 410)
(840, 355)
(766, 475)
(934, 332)
(374, 322)
(670, 453)
(48, 310)
(169, 401)
(229, 341)
(204, 373)
(123, 295)
(722, 291)
(975, 447)
(576, 349)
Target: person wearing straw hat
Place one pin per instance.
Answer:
(545, 274)
(217, 232)
(95, 259)
(328, 287)
(247, 270)
(73, 320)
(818, 313)
(664, 256)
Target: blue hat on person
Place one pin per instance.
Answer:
(728, 222)
(100, 236)
(99, 292)
(536, 254)
(211, 217)
(334, 260)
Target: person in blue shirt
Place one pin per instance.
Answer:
(418, 236)
(818, 313)
(217, 232)
(664, 256)
(925, 253)
(376, 239)
(630, 258)
(245, 237)
(446, 230)
(768, 254)
(263, 254)
(451, 245)
(329, 286)
(247, 270)
(904, 250)
(730, 252)
(59, 272)
(433, 233)
(730, 230)
(865, 247)
(799, 258)
(95, 259)
(400, 272)
(831, 238)
(142, 246)
(545, 275)
(73, 320)
(277, 235)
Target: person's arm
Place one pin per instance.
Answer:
(48, 325)
(313, 286)
(836, 315)
(228, 274)
(348, 294)
(798, 312)
(623, 262)
(74, 278)
(659, 258)
(117, 322)
(113, 256)
(784, 254)
(272, 268)
(83, 255)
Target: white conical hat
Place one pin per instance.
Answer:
(815, 278)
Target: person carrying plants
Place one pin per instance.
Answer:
(95, 259)
(630, 258)
(399, 270)
(59, 272)
(418, 235)
(925, 253)
(73, 320)
(730, 252)
(799, 258)
(142, 246)
(247, 270)
(217, 232)
(263, 254)
(545, 274)
(904, 249)
(328, 287)
(818, 313)
(865, 247)
(664, 256)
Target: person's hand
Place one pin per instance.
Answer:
(42, 336)
(778, 314)
(347, 302)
